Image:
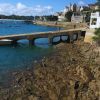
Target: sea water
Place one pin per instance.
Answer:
(13, 58)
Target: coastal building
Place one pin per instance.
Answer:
(61, 15)
(77, 18)
(61, 18)
(84, 8)
(95, 20)
(94, 6)
(74, 8)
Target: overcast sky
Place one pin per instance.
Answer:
(36, 7)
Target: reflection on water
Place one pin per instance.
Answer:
(56, 39)
(64, 38)
(60, 38)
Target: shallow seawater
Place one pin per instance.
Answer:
(19, 58)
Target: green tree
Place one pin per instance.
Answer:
(98, 2)
(87, 18)
(68, 15)
(97, 36)
(51, 18)
(97, 32)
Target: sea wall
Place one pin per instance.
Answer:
(67, 25)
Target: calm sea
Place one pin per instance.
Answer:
(21, 56)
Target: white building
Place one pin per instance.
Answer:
(60, 15)
(77, 18)
(72, 7)
(61, 18)
(95, 20)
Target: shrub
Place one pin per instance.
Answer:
(97, 36)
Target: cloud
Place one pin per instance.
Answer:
(21, 9)
(20, 6)
(81, 3)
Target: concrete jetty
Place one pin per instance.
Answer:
(71, 36)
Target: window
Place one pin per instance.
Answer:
(94, 21)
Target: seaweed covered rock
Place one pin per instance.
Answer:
(70, 73)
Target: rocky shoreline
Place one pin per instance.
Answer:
(66, 25)
(72, 72)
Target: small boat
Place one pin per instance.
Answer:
(5, 42)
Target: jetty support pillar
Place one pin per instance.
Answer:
(70, 38)
(31, 41)
(79, 36)
(83, 33)
(14, 42)
(51, 40)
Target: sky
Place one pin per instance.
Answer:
(36, 7)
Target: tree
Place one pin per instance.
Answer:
(17, 17)
(51, 18)
(97, 32)
(97, 36)
(75, 7)
(68, 15)
(87, 17)
(98, 2)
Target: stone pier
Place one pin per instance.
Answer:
(73, 35)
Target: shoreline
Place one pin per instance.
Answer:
(11, 20)
(67, 25)
(50, 76)
(70, 72)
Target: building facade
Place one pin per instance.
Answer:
(95, 20)
(74, 8)
(94, 6)
(77, 18)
